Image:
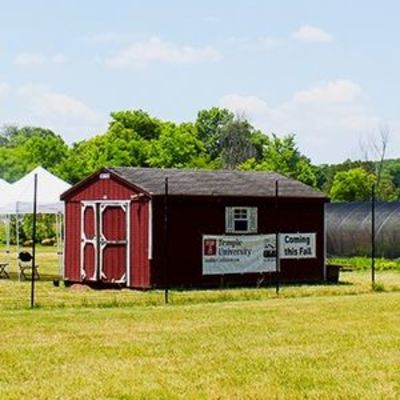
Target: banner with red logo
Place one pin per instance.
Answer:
(238, 254)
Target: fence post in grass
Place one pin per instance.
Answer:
(278, 261)
(166, 285)
(34, 242)
(373, 239)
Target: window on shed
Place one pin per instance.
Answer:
(241, 219)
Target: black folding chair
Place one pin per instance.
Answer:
(4, 270)
(25, 265)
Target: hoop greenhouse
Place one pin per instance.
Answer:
(349, 229)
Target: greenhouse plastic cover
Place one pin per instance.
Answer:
(18, 197)
(349, 229)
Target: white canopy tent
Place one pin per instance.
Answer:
(17, 199)
(4, 185)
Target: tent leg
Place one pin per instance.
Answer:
(59, 245)
(17, 231)
(8, 238)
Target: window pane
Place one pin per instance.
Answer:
(240, 213)
(241, 225)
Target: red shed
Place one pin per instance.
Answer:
(119, 228)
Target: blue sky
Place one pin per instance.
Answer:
(327, 71)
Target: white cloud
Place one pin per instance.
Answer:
(312, 34)
(140, 53)
(39, 59)
(4, 88)
(65, 114)
(29, 59)
(327, 119)
(339, 91)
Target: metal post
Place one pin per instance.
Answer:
(325, 272)
(58, 239)
(34, 242)
(166, 285)
(373, 249)
(17, 228)
(8, 230)
(278, 261)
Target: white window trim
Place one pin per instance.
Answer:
(252, 214)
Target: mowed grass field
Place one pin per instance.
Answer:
(316, 342)
(335, 347)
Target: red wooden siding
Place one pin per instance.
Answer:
(114, 223)
(72, 241)
(108, 189)
(89, 250)
(89, 261)
(139, 238)
(114, 229)
(190, 218)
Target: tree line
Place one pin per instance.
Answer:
(216, 139)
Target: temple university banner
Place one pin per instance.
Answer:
(238, 254)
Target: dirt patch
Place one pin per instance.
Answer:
(80, 288)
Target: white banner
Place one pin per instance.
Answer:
(238, 254)
(297, 245)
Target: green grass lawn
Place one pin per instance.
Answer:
(333, 347)
(16, 295)
(313, 342)
(46, 258)
(364, 263)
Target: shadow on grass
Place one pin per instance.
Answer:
(14, 276)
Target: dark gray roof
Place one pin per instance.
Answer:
(214, 183)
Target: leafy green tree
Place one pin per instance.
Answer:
(108, 150)
(45, 227)
(282, 155)
(126, 143)
(6, 132)
(326, 173)
(209, 124)
(25, 148)
(352, 185)
(137, 121)
(178, 146)
(236, 143)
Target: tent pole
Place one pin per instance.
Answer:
(62, 216)
(8, 238)
(58, 236)
(34, 242)
(57, 241)
(17, 228)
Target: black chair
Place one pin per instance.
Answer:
(4, 270)
(25, 264)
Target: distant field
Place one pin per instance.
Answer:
(16, 294)
(364, 263)
(46, 258)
